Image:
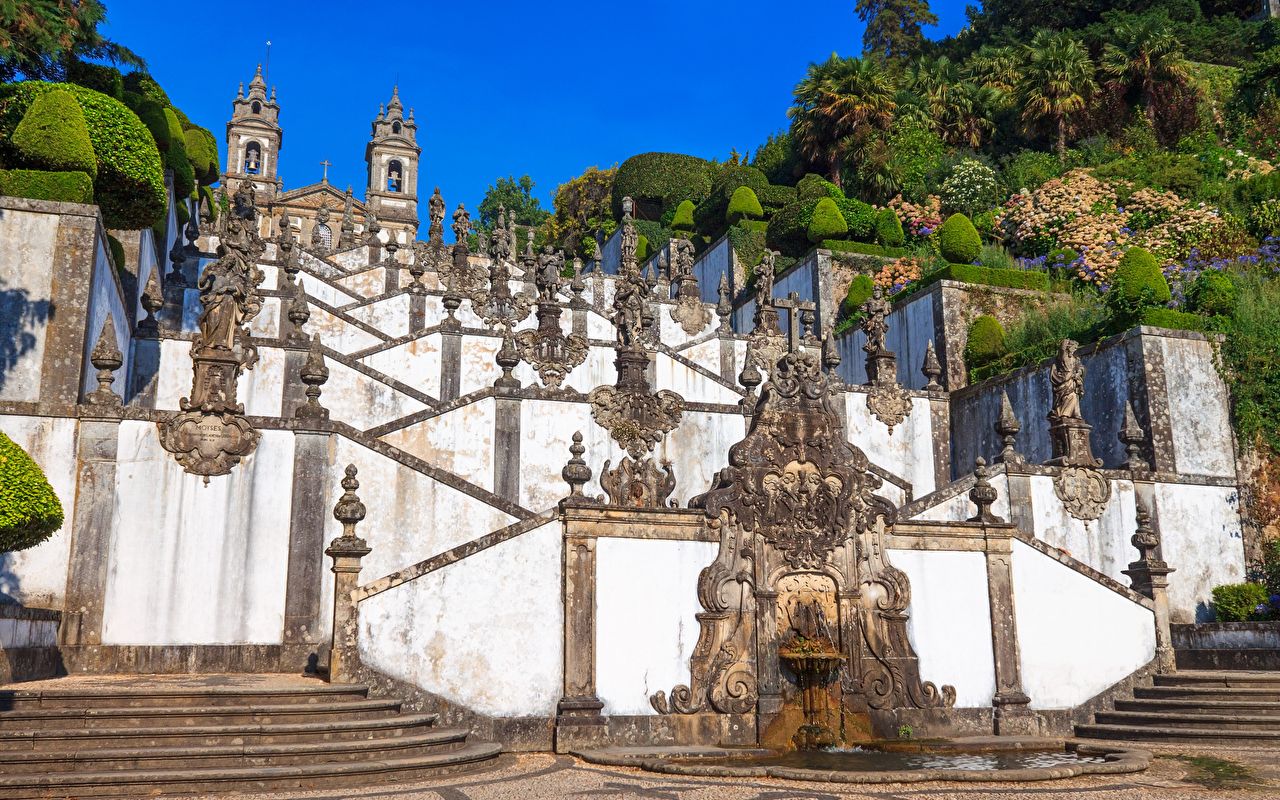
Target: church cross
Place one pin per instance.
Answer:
(326, 166)
(794, 305)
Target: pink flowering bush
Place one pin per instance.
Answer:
(897, 275)
(919, 220)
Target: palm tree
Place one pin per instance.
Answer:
(1146, 56)
(840, 106)
(959, 110)
(1056, 83)
(996, 68)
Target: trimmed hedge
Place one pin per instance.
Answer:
(758, 225)
(990, 276)
(743, 205)
(862, 248)
(658, 181)
(958, 240)
(642, 249)
(682, 220)
(889, 228)
(1173, 319)
(826, 222)
(860, 218)
(1238, 602)
(202, 151)
(789, 227)
(53, 136)
(860, 290)
(97, 77)
(775, 197)
(29, 510)
(1212, 293)
(117, 252)
(66, 187)
(816, 187)
(141, 83)
(184, 175)
(1138, 283)
(985, 343)
(129, 187)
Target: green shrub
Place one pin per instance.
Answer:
(889, 228)
(755, 225)
(860, 291)
(1172, 319)
(864, 248)
(748, 244)
(816, 187)
(143, 84)
(1212, 293)
(774, 197)
(985, 343)
(129, 187)
(1029, 169)
(184, 176)
(66, 187)
(971, 187)
(117, 252)
(202, 151)
(860, 217)
(1136, 284)
(827, 222)
(788, 228)
(990, 276)
(958, 240)
(777, 159)
(53, 136)
(208, 203)
(658, 181)
(1159, 169)
(29, 510)
(1259, 188)
(682, 220)
(743, 205)
(1238, 602)
(152, 115)
(642, 249)
(97, 77)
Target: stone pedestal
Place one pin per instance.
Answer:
(344, 655)
(91, 526)
(1013, 715)
(1070, 439)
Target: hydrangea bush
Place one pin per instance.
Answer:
(971, 187)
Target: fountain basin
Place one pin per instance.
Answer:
(978, 759)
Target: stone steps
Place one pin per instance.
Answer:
(1220, 707)
(87, 737)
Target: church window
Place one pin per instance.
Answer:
(395, 177)
(326, 234)
(395, 127)
(253, 159)
(256, 107)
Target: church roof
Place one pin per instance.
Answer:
(313, 195)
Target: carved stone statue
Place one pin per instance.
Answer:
(461, 225)
(1067, 378)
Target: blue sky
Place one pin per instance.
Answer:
(546, 89)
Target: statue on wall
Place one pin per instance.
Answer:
(1067, 378)
(1083, 490)
(887, 401)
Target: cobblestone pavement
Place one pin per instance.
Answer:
(539, 776)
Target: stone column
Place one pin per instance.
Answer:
(578, 719)
(302, 601)
(1013, 717)
(346, 552)
(1149, 575)
(506, 443)
(417, 311)
(74, 254)
(91, 526)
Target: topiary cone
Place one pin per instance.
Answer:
(54, 136)
(29, 510)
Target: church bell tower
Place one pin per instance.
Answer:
(254, 139)
(392, 156)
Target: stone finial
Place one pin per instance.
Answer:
(1007, 426)
(1132, 436)
(576, 473)
(314, 374)
(299, 313)
(192, 232)
(152, 301)
(349, 511)
(1149, 574)
(1144, 537)
(576, 285)
(830, 354)
(508, 359)
(932, 369)
(983, 494)
(750, 378)
(106, 359)
(177, 259)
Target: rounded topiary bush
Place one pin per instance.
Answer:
(788, 228)
(816, 187)
(1137, 283)
(642, 248)
(958, 240)
(184, 175)
(143, 84)
(658, 181)
(129, 187)
(860, 291)
(985, 343)
(889, 230)
(743, 205)
(859, 216)
(827, 222)
(29, 510)
(202, 151)
(1213, 293)
(97, 77)
(53, 135)
(682, 220)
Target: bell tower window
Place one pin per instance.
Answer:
(256, 107)
(395, 127)
(253, 159)
(395, 177)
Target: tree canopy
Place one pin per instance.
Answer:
(39, 39)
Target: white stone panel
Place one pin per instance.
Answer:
(485, 632)
(196, 564)
(29, 240)
(1200, 537)
(362, 401)
(950, 624)
(104, 299)
(266, 323)
(906, 452)
(479, 369)
(646, 599)
(961, 508)
(546, 431)
(391, 315)
(705, 355)
(337, 333)
(1076, 636)
(1102, 543)
(260, 388)
(415, 363)
(460, 441)
(596, 370)
(1199, 409)
(370, 282)
(326, 293)
(690, 384)
(38, 576)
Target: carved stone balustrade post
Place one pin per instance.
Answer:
(1007, 426)
(1149, 575)
(932, 369)
(314, 374)
(346, 551)
(106, 359)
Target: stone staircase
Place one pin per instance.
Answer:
(1196, 706)
(136, 736)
